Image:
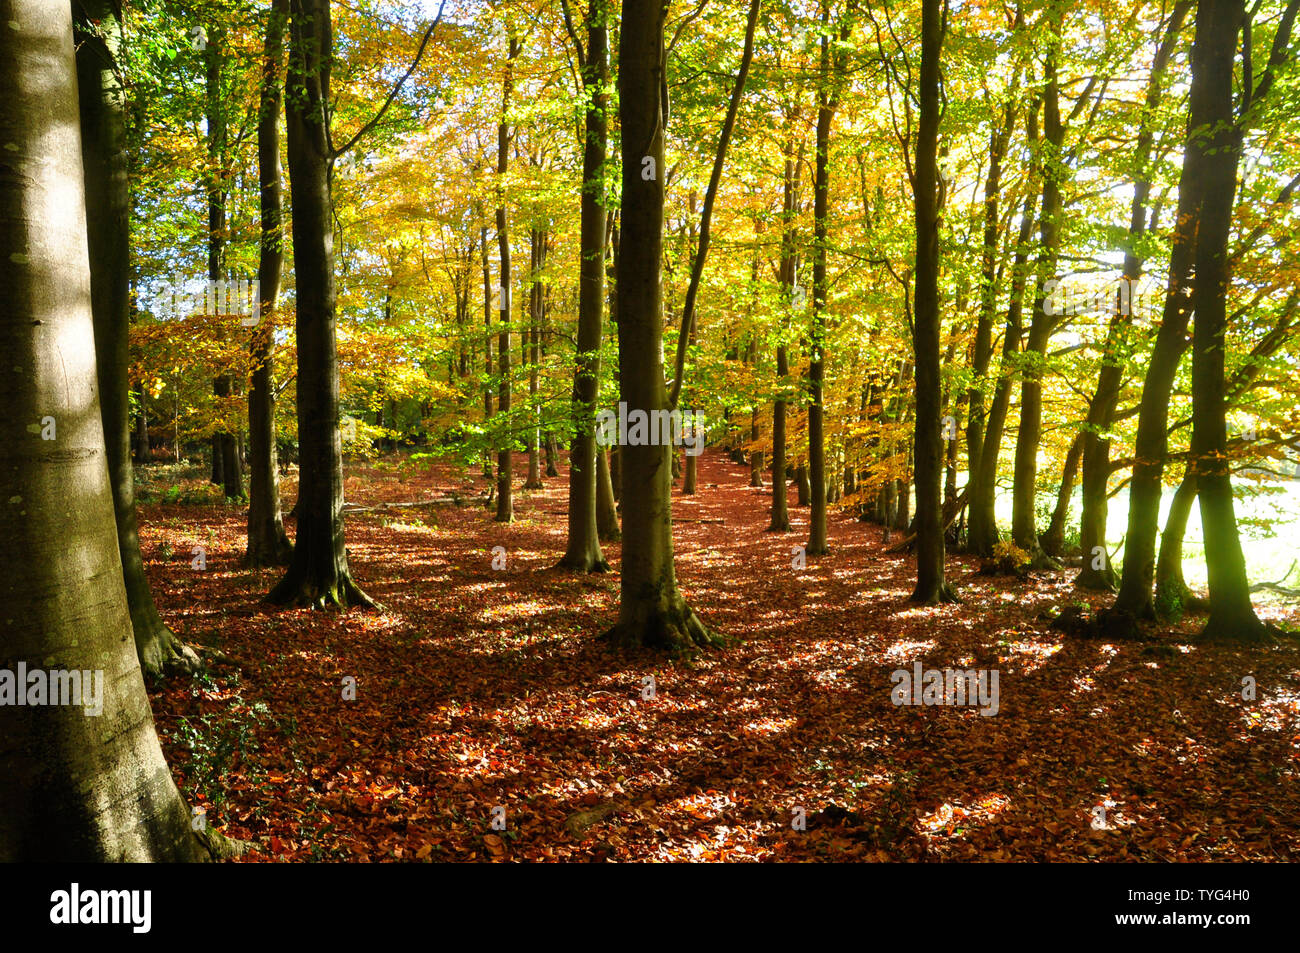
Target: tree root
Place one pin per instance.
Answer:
(219, 847)
(299, 593)
(163, 655)
(583, 564)
(679, 633)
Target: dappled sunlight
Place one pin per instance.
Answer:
(481, 689)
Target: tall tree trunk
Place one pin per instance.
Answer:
(103, 132)
(318, 573)
(755, 454)
(983, 345)
(1101, 409)
(1232, 616)
(140, 440)
(1024, 491)
(72, 787)
(223, 445)
(505, 440)
(1134, 600)
(268, 544)
(532, 354)
(690, 477)
(788, 273)
(982, 534)
(652, 611)
(583, 552)
(487, 345)
(826, 105)
(931, 587)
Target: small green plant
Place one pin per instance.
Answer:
(220, 745)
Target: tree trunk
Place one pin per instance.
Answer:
(983, 344)
(931, 587)
(1134, 600)
(1101, 409)
(223, 445)
(788, 275)
(817, 545)
(103, 131)
(1053, 539)
(606, 508)
(140, 442)
(318, 573)
(505, 500)
(802, 489)
(552, 451)
(583, 552)
(215, 478)
(532, 354)
(982, 534)
(487, 345)
(1172, 594)
(1024, 531)
(615, 463)
(689, 480)
(652, 612)
(268, 544)
(1231, 614)
(72, 788)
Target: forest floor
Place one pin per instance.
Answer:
(482, 696)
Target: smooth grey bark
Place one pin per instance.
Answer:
(73, 787)
(103, 157)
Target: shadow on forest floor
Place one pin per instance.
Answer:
(481, 694)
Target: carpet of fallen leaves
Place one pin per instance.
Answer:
(489, 724)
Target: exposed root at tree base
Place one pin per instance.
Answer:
(219, 847)
(1248, 631)
(1095, 580)
(681, 633)
(163, 655)
(1116, 625)
(583, 564)
(299, 593)
(945, 595)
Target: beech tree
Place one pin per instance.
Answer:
(930, 584)
(652, 611)
(268, 543)
(74, 786)
(103, 127)
(318, 572)
(583, 552)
